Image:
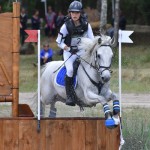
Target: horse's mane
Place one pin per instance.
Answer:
(90, 46)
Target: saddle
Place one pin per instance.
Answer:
(60, 77)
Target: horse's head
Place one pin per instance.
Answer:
(103, 57)
(99, 54)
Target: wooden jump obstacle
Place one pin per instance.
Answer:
(9, 60)
(20, 131)
(57, 134)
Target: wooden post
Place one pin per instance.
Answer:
(15, 53)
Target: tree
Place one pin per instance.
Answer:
(116, 21)
(103, 15)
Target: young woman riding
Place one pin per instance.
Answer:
(69, 37)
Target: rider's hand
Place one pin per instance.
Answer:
(74, 49)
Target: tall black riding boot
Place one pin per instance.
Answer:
(70, 91)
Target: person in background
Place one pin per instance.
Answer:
(23, 25)
(59, 20)
(35, 20)
(122, 24)
(68, 39)
(50, 27)
(46, 54)
(122, 21)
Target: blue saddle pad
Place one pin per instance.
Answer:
(60, 77)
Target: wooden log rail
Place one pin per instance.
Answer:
(6, 98)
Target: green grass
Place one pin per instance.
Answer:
(135, 69)
(135, 56)
(136, 129)
(28, 73)
(133, 80)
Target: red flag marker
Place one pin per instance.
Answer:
(33, 36)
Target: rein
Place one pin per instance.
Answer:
(62, 64)
(98, 85)
(88, 63)
(94, 67)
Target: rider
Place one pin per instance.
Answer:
(70, 34)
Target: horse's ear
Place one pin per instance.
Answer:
(112, 42)
(103, 30)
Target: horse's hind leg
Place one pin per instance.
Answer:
(42, 109)
(53, 110)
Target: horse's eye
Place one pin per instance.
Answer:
(98, 56)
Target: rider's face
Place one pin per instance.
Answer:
(75, 15)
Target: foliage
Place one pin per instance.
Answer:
(6, 6)
(136, 11)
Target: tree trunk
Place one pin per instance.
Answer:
(113, 9)
(99, 6)
(116, 22)
(103, 16)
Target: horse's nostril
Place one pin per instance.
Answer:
(105, 79)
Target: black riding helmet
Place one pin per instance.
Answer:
(75, 6)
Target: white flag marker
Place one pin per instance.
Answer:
(123, 38)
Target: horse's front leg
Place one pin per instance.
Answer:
(116, 108)
(95, 98)
(116, 105)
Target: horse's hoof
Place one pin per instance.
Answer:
(116, 120)
(70, 104)
(110, 123)
(52, 116)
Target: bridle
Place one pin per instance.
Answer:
(99, 84)
(102, 67)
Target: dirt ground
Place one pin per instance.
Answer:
(129, 101)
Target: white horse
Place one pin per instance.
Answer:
(93, 77)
